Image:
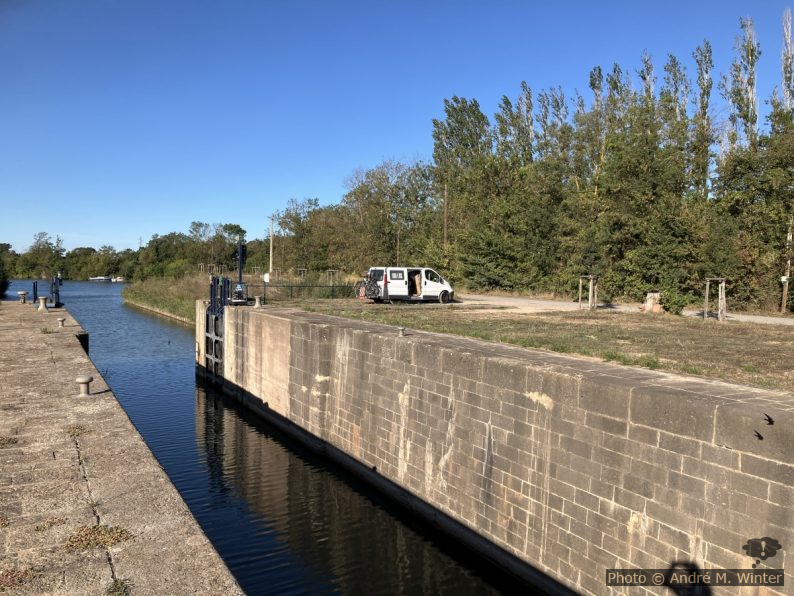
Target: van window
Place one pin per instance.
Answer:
(376, 275)
(396, 275)
(432, 276)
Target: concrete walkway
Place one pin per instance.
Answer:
(523, 304)
(70, 466)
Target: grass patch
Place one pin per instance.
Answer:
(11, 578)
(737, 352)
(100, 535)
(175, 296)
(46, 331)
(76, 430)
(49, 523)
(8, 441)
(119, 587)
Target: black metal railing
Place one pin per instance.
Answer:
(296, 291)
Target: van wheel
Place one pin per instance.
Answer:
(443, 297)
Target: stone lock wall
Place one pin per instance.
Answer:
(571, 466)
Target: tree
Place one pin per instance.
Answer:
(514, 131)
(738, 88)
(43, 259)
(703, 133)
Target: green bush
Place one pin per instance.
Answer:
(673, 300)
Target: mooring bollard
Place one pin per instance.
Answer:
(61, 321)
(84, 381)
(42, 304)
(23, 297)
(401, 331)
(257, 301)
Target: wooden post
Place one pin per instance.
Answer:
(722, 306)
(592, 291)
(590, 294)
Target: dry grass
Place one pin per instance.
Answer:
(49, 523)
(11, 578)
(76, 430)
(90, 536)
(7, 441)
(744, 353)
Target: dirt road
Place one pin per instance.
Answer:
(520, 304)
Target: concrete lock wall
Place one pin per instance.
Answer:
(569, 466)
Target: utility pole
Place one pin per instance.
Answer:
(784, 301)
(272, 217)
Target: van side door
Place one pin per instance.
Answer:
(398, 282)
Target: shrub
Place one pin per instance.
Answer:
(673, 300)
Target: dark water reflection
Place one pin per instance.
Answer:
(284, 521)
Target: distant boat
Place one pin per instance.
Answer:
(117, 278)
(100, 278)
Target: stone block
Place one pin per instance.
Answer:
(674, 411)
(607, 395)
(558, 388)
(694, 487)
(608, 425)
(771, 470)
(746, 428)
(463, 365)
(505, 373)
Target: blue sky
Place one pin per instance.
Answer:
(120, 119)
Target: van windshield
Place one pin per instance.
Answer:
(376, 274)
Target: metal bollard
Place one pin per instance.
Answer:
(42, 304)
(61, 321)
(84, 381)
(23, 297)
(401, 331)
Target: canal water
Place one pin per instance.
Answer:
(284, 521)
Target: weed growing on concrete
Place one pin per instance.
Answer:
(46, 331)
(75, 430)
(7, 441)
(48, 523)
(100, 535)
(3, 521)
(92, 503)
(11, 578)
(119, 587)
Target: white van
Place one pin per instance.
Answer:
(407, 283)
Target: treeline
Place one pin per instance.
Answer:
(636, 182)
(172, 255)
